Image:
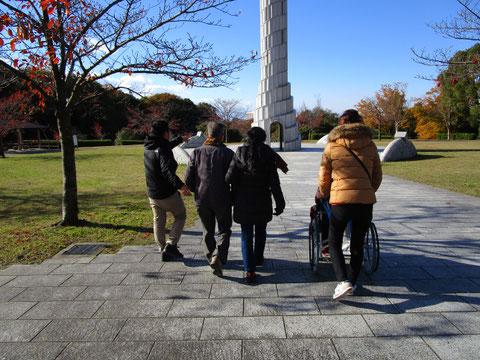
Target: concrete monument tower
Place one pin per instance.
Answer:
(274, 100)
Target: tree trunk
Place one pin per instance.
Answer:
(379, 129)
(69, 197)
(448, 132)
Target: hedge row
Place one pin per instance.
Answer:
(457, 136)
(128, 142)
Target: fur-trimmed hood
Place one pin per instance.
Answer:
(352, 135)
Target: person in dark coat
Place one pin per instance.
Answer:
(162, 188)
(205, 176)
(254, 179)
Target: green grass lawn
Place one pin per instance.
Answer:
(112, 199)
(451, 165)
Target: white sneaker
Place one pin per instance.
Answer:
(354, 287)
(342, 289)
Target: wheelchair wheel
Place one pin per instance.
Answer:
(371, 250)
(314, 248)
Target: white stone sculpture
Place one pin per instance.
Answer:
(180, 155)
(194, 141)
(399, 149)
(274, 100)
(323, 141)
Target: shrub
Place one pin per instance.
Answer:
(87, 143)
(318, 136)
(127, 134)
(128, 142)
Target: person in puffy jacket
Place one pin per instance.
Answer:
(205, 176)
(351, 188)
(162, 188)
(254, 179)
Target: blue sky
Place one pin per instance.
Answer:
(339, 51)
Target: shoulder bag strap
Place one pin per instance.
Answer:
(360, 161)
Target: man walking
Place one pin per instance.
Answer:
(205, 176)
(162, 186)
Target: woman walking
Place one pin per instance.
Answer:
(254, 179)
(351, 158)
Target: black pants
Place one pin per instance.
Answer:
(223, 216)
(361, 216)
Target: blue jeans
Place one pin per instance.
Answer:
(250, 256)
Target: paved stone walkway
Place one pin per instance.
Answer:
(422, 303)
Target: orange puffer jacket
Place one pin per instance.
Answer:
(350, 184)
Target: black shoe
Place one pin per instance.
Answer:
(172, 251)
(165, 257)
(216, 265)
(250, 277)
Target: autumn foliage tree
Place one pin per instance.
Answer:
(59, 47)
(13, 114)
(387, 109)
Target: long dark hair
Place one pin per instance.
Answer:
(256, 136)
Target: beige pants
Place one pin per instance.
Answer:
(174, 205)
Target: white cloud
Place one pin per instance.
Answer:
(145, 86)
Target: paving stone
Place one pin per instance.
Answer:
(243, 290)
(392, 348)
(133, 309)
(5, 279)
(106, 350)
(280, 276)
(95, 279)
(198, 350)
(68, 260)
(44, 351)
(63, 310)
(326, 326)
(182, 291)
(454, 272)
(468, 323)
(410, 324)
(205, 277)
(306, 289)
(398, 273)
(38, 280)
(8, 293)
(128, 268)
(20, 330)
(113, 292)
(118, 258)
(355, 305)
(80, 330)
(446, 286)
(471, 298)
(81, 268)
(13, 310)
(206, 308)
(235, 328)
(289, 349)
(280, 306)
(396, 261)
(287, 264)
(49, 293)
(187, 265)
(18, 269)
(138, 249)
(156, 329)
(431, 303)
(384, 288)
(153, 278)
(455, 347)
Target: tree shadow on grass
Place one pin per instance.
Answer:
(88, 224)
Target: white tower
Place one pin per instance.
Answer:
(274, 100)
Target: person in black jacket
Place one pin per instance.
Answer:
(162, 188)
(254, 178)
(205, 176)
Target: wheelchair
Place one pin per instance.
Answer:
(318, 239)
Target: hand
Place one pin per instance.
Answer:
(186, 137)
(185, 191)
(278, 211)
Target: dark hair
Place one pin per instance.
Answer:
(256, 136)
(350, 116)
(158, 129)
(215, 129)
